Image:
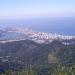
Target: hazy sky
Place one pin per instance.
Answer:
(34, 8)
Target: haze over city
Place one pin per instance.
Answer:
(56, 16)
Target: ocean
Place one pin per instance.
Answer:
(59, 25)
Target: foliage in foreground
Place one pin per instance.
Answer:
(57, 70)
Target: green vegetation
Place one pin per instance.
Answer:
(29, 58)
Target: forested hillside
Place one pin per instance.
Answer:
(29, 58)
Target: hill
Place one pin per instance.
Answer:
(39, 56)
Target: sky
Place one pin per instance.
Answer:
(11, 9)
